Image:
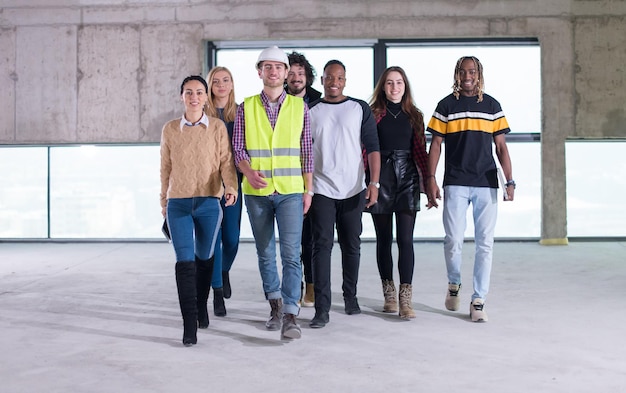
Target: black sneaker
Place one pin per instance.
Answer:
(290, 329)
(352, 306)
(319, 320)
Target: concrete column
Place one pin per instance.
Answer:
(558, 96)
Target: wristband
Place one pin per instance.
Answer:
(311, 193)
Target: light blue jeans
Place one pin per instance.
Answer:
(287, 210)
(484, 203)
(193, 224)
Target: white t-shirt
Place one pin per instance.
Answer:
(340, 131)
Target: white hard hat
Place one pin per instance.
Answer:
(273, 53)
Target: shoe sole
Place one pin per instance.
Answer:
(478, 320)
(292, 334)
(307, 304)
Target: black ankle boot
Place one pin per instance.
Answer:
(226, 284)
(219, 308)
(203, 284)
(186, 285)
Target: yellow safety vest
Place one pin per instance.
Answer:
(275, 153)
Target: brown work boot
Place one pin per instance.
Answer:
(389, 292)
(273, 323)
(406, 294)
(290, 329)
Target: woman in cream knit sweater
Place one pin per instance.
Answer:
(196, 171)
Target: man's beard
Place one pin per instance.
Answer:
(296, 91)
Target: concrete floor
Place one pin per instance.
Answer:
(104, 317)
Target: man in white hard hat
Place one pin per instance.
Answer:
(273, 149)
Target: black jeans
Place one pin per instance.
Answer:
(345, 214)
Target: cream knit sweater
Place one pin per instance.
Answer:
(197, 161)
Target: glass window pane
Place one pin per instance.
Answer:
(105, 192)
(430, 70)
(359, 64)
(24, 192)
(595, 188)
(520, 218)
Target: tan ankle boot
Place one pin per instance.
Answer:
(309, 296)
(389, 292)
(406, 309)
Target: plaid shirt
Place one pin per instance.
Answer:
(239, 133)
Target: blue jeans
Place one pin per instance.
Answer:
(288, 212)
(227, 243)
(485, 211)
(193, 224)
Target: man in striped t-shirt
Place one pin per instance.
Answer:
(469, 121)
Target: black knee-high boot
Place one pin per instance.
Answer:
(204, 275)
(186, 284)
(219, 308)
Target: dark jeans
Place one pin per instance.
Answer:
(307, 249)
(346, 215)
(227, 243)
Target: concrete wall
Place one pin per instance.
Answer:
(102, 71)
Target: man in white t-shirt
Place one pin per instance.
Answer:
(341, 127)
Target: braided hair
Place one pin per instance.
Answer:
(456, 87)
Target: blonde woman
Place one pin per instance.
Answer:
(221, 104)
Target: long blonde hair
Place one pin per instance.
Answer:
(231, 106)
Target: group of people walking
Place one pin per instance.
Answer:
(311, 164)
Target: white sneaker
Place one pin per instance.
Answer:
(453, 301)
(477, 312)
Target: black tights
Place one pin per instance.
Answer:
(383, 224)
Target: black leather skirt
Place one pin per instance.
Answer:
(399, 183)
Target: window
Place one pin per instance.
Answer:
(24, 192)
(512, 76)
(358, 61)
(430, 68)
(595, 188)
